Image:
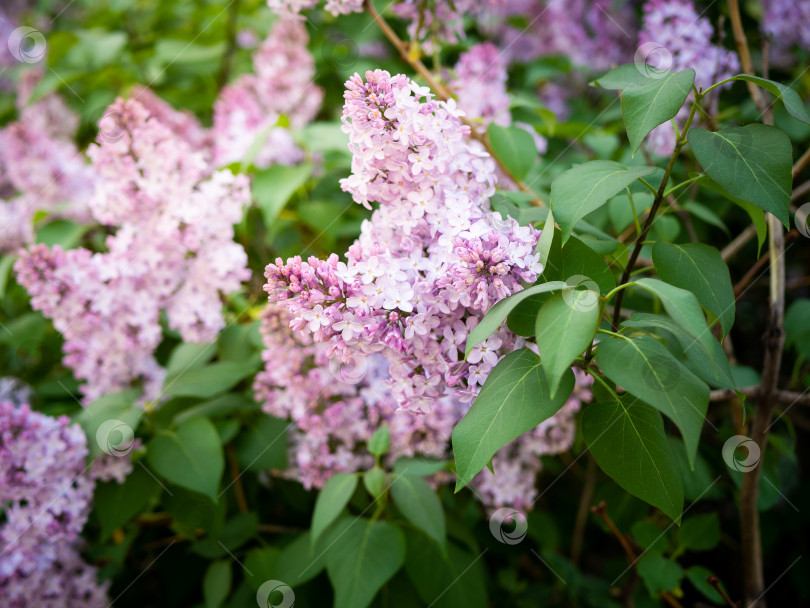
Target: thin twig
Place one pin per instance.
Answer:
(801, 163)
(715, 582)
(585, 498)
(236, 475)
(442, 93)
(601, 511)
(617, 308)
(789, 397)
(774, 340)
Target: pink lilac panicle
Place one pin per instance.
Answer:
(173, 247)
(787, 24)
(428, 264)
(41, 170)
(251, 106)
(479, 84)
(45, 492)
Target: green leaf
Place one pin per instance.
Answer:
(566, 325)
(331, 501)
(711, 365)
(789, 97)
(700, 269)
(707, 215)
(699, 533)
(61, 232)
(659, 573)
(446, 579)
(797, 326)
(756, 214)
(6, 264)
(421, 467)
(109, 420)
(380, 441)
(586, 187)
(117, 503)
(683, 307)
(420, 505)
(698, 575)
(627, 440)
(273, 187)
(649, 371)
(514, 147)
(192, 511)
(493, 319)
(578, 259)
(263, 564)
(620, 77)
(514, 399)
(369, 554)
(262, 445)
(546, 238)
(752, 163)
(190, 457)
(205, 382)
(217, 583)
(654, 101)
(187, 356)
(300, 561)
(235, 532)
(374, 481)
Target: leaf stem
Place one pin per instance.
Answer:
(616, 290)
(617, 309)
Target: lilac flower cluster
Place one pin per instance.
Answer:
(336, 407)
(250, 107)
(787, 23)
(592, 33)
(430, 261)
(45, 496)
(428, 20)
(172, 251)
(41, 170)
(379, 339)
(479, 84)
(675, 37)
